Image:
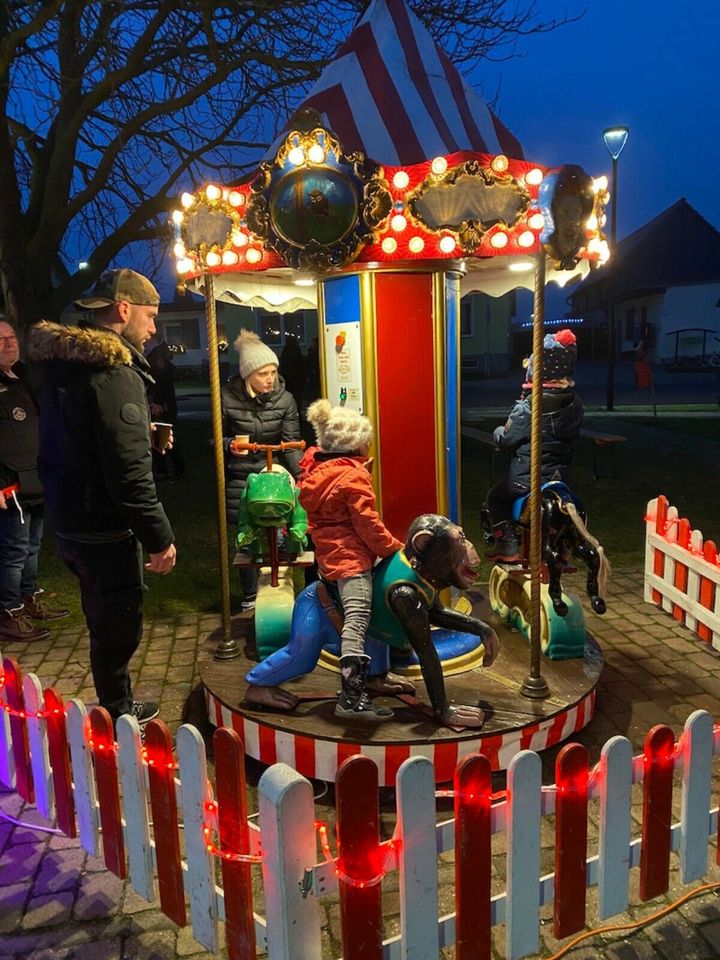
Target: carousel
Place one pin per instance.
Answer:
(393, 192)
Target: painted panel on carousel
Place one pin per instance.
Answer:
(313, 205)
(343, 342)
(567, 201)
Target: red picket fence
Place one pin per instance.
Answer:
(682, 571)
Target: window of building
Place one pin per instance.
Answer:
(184, 332)
(277, 328)
(466, 318)
(629, 328)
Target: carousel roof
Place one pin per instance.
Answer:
(393, 94)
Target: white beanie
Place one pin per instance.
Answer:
(253, 353)
(339, 428)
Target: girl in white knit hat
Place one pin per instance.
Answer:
(348, 534)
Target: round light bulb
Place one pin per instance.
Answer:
(398, 223)
(177, 217)
(316, 154)
(212, 192)
(253, 255)
(416, 245)
(187, 200)
(534, 176)
(389, 245)
(179, 250)
(500, 163)
(439, 166)
(447, 244)
(401, 180)
(536, 221)
(603, 220)
(600, 184)
(230, 258)
(184, 265)
(235, 198)
(213, 259)
(498, 240)
(526, 238)
(296, 156)
(239, 239)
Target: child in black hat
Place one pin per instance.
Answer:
(561, 419)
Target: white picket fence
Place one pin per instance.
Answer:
(682, 571)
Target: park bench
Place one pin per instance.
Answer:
(598, 438)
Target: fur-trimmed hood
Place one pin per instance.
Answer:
(96, 346)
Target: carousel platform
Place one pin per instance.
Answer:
(314, 742)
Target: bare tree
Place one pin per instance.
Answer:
(108, 108)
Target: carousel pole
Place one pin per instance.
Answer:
(227, 649)
(534, 686)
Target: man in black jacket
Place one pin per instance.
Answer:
(21, 502)
(96, 468)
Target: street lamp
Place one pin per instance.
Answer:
(615, 139)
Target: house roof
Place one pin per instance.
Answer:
(677, 247)
(393, 93)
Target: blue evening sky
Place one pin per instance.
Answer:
(652, 66)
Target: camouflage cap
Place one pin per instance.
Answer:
(122, 284)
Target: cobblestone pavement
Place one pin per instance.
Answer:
(56, 903)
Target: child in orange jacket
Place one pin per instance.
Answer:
(348, 534)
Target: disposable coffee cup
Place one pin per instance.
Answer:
(161, 436)
(242, 438)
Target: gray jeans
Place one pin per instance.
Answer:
(356, 598)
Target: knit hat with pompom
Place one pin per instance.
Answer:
(339, 429)
(253, 353)
(559, 356)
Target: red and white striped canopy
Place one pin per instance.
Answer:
(393, 93)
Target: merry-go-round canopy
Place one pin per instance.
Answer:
(392, 160)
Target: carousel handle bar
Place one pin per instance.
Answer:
(269, 448)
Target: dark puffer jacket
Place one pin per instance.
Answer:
(95, 462)
(265, 418)
(19, 436)
(561, 419)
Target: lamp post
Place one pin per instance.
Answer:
(615, 139)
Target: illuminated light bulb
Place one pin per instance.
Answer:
(536, 221)
(439, 166)
(235, 198)
(389, 245)
(600, 184)
(178, 216)
(212, 192)
(604, 251)
(498, 240)
(187, 200)
(447, 244)
(594, 245)
(316, 154)
(416, 245)
(239, 238)
(526, 238)
(398, 223)
(500, 163)
(592, 222)
(179, 250)
(184, 265)
(304, 282)
(521, 267)
(230, 258)
(296, 156)
(401, 180)
(253, 255)
(213, 259)
(603, 220)
(534, 176)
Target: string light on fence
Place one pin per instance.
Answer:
(388, 849)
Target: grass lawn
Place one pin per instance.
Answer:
(662, 456)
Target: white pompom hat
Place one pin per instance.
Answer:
(339, 429)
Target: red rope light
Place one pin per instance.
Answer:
(388, 849)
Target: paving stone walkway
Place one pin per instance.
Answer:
(57, 903)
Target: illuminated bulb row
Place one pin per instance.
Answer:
(212, 194)
(315, 154)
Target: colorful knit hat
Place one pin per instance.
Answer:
(559, 357)
(339, 429)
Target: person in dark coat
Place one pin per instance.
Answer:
(163, 408)
(313, 386)
(561, 419)
(255, 404)
(96, 470)
(21, 502)
(292, 370)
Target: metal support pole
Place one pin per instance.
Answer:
(227, 649)
(534, 686)
(611, 311)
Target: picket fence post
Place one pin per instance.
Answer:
(38, 745)
(524, 786)
(86, 808)
(616, 763)
(137, 819)
(696, 792)
(7, 760)
(287, 828)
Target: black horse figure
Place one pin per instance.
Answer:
(564, 535)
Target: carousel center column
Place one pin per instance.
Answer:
(390, 348)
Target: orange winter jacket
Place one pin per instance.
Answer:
(345, 526)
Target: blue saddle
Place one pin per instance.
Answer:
(556, 486)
